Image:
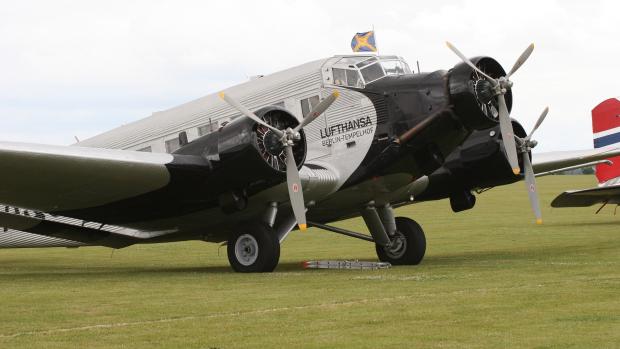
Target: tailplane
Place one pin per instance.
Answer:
(606, 130)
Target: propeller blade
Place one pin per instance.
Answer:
(530, 184)
(508, 135)
(540, 120)
(466, 60)
(233, 103)
(524, 56)
(295, 191)
(318, 110)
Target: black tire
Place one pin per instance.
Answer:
(409, 246)
(254, 249)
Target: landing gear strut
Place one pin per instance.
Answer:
(399, 240)
(255, 248)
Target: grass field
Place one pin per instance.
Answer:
(491, 279)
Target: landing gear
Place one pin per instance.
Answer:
(254, 249)
(408, 244)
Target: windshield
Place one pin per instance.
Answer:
(393, 67)
(356, 71)
(373, 72)
(347, 77)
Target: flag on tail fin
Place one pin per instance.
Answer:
(606, 129)
(364, 42)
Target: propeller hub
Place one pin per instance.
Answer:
(504, 84)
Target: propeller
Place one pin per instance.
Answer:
(525, 146)
(502, 85)
(288, 138)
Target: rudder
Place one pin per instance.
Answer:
(606, 130)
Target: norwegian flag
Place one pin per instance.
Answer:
(606, 130)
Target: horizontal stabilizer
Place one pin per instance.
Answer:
(588, 197)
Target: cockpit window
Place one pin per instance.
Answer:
(353, 78)
(372, 72)
(351, 60)
(356, 71)
(347, 77)
(393, 67)
(369, 61)
(340, 76)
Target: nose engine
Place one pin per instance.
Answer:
(473, 96)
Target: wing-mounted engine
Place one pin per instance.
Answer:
(269, 143)
(257, 152)
(480, 162)
(246, 154)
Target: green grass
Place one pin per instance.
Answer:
(491, 279)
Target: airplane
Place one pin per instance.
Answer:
(606, 130)
(340, 137)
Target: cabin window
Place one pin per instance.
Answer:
(183, 140)
(172, 145)
(308, 104)
(208, 128)
(146, 149)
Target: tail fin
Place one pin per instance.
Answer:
(606, 129)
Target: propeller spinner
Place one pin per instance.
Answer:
(288, 138)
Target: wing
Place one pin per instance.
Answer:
(116, 198)
(588, 197)
(558, 161)
(58, 179)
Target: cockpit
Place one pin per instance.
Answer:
(357, 71)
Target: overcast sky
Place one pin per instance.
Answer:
(79, 68)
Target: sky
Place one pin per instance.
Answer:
(79, 68)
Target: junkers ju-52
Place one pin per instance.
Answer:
(335, 138)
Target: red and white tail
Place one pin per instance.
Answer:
(606, 130)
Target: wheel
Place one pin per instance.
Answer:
(408, 246)
(254, 249)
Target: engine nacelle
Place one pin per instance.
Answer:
(433, 113)
(246, 157)
(480, 162)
